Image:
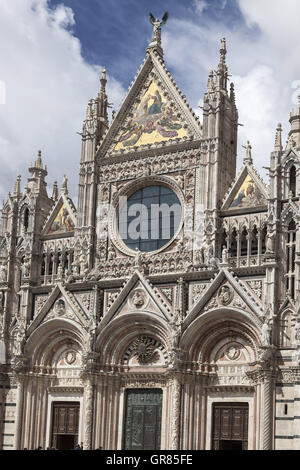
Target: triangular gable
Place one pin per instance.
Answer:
(62, 219)
(244, 299)
(288, 304)
(153, 112)
(79, 315)
(290, 210)
(248, 190)
(291, 154)
(137, 283)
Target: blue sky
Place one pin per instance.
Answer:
(117, 32)
(52, 52)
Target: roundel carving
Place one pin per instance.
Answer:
(225, 295)
(138, 299)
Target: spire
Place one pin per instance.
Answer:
(232, 93)
(278, 138)
(222, 71)
(64, 187)
(38, 162)
(294, 134)
(55, 191)
(248, 158)
(210, 81)
(103, 80)
(17, 190)
(155, 43)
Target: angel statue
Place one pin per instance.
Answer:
(157, 27)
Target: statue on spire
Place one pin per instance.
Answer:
(248, 158)
(157, 24)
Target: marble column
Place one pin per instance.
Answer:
(88, 425)
(176, 399)
(19, 411)
(267, 412)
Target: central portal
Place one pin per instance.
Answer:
(230, 426)
(143, 419)
(65, 421)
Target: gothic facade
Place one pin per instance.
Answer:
(190, 341)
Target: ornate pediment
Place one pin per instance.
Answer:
(61, 220)
(137, 296)
(59, 303)
(226, 291)
(154, 113)
(248, 191)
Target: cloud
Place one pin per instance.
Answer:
(263, 52)
(199, 6)
(48, 85)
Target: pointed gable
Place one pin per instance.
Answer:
(227, 291)
(137, 295)
(62, 219)
(247, 191)
(153, 112)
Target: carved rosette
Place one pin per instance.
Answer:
(144, 350)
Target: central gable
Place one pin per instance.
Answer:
(153, 120)
(154, 112)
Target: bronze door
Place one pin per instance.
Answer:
(65, 421)
(230, 426)
(142, 427)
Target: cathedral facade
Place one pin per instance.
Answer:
(163, 311)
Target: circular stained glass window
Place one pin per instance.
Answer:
(149, 218)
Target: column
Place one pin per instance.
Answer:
(176, 398)
(88, 422)
(19, 412)
(267, 411)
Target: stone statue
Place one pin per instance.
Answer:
(270, 242)
(1, 301)
(266, 333)
(83, 263)
(157, 24)
(224, 255)
(20, 339)
(3, 273)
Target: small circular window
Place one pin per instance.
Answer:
(149, 218)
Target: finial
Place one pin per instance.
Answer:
(38, 163)
(157, 25)
(89, 111)
(232, 93)
(103, 79)
(17, 190)
(248, 158)
(55, 191)
(278, 138)
(223, 51)
(64, 188)
(210, 82)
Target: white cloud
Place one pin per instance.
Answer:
(263, 57)
(48, 85)
(199, 6)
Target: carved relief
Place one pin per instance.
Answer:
(138, 299)
(225, 295)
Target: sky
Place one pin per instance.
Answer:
(52, 53)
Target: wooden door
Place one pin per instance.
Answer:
(65, 422)
(230, 426)
(142, 428)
